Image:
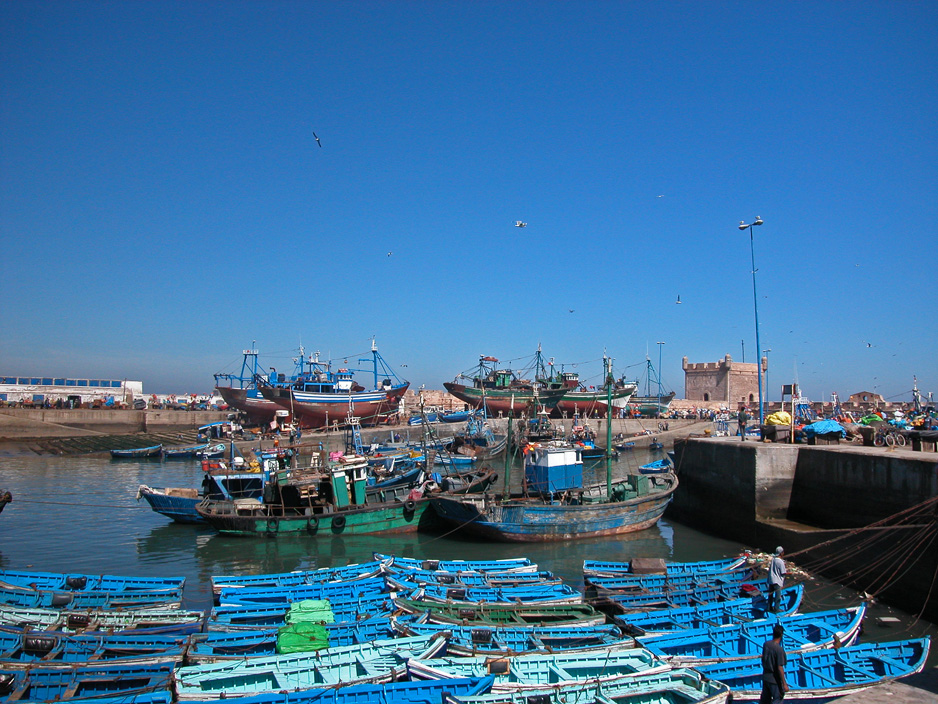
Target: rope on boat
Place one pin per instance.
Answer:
(893, 555)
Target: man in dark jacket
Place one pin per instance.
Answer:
(741, 418)
(774, 684)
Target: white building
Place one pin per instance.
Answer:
(40, 390)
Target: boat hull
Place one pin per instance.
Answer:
(506, 402)
(651, 405)
(319, 410)
(525, 520)
(250, 401)
(378, 519)
(587, 404)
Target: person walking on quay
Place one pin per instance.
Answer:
(774, 684)
(741, 419)
(777, 572)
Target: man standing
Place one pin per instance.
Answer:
(774, 685)
(777, 572)
(741, 419)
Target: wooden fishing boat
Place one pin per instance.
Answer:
(180, 453)
(213, 646)
(138, 452)
(286, 595)
(503, 614)
(680, 685)
(379, 661)
(719, 613)
(37, 683)
(28, 598)
(501, 391)
(24, 647)
(598, 585)
(562, 508)
(804, 632)
(75, 581)
(627, 602)
(657, 467)
(522, 594)
(534, 671)
(517, 640)
(149, 620)
(826, 673)
(163, 696)
(511, 564)
(643, 567)
(320, 397)
(299, 578)
(254, 616)
(414, 578)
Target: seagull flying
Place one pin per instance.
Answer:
(390, 253)
(317, 140)
(661, 196)
(518, 223)
(570, 309)
(678, 301)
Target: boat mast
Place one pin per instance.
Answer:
(607, 367)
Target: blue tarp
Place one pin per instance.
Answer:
(823, 427)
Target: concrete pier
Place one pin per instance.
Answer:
(801, 497)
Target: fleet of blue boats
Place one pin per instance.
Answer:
(430, 631)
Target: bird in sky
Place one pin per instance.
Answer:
(317, 140)
(869, 344)
(518, 223)
(570, 309)
(661, 196)
(390, 253)
(678, 299)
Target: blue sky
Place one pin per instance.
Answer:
(163, 202)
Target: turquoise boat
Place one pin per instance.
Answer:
(827, 673)
(522, 594)
(677, 686)
(531, 672)
(286, 595)
(86, 680)
(299, 578)
(684, 618)
(25, 597)
(412, 579)
(138, 453)
(503, 614)
(518, 640)
(23, 647)
(633, 584)
(254, 616)
(804, 632)
(379, 661)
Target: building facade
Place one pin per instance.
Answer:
(726, 382)
(52, 390)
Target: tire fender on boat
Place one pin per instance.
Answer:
(410, 505)
(338, 523)
(273, 525)
(312, 524)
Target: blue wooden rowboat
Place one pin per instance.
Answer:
(503, 614)
(671, 569)
(626, 602)
(826, 673)
(21, 647)
(683, 618)
(179, 453)
(677, 686)
(24, 597)
(300, 578)
(633, 584)
(411, 579)
(163, 696)
(378, 661)
(512, 564)
(148, 620)
(531, 672)
(254, 616)
(138, 452)
(73, 581)
(804, 632)
(213, 646)
(657, 467)
(42, 684)
(517, 640)
(524, 594)
(374, 586)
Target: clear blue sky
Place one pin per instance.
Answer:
(163, 202)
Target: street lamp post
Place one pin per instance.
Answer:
(659, 378)
(755, 303)
(765, 353)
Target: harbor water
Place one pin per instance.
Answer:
(79, 513)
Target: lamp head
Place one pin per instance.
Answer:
(758, 221)
(742, 225)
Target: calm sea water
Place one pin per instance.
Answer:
(80, 514)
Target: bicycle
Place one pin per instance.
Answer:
(889, 437)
